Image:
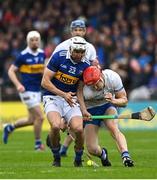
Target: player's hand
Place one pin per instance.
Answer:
(20, 88)
(108, 97)
(86, 115)
(95, 62)
(70, 98)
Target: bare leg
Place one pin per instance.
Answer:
(55, 128)
(35, 118)
(38, 121)
(93, 147)
(67, 141)
(54, 119)
(76, 125)
(91, 139)
(112, 126)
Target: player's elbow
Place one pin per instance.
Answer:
(43, 83)
(125, 102)
(10, 72)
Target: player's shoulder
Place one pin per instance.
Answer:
(60, 53)
(63, 45)
(29, 51)
(110, 73)
(40, 50)
(89, 45)
(25, 51)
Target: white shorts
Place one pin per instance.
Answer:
(30, 99)
(60, 105)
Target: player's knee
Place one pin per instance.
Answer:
(78, 129)
(56, 126)
(92, 149)
(40, 118)
(30, 121)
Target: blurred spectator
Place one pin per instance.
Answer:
(120, 31)
(146, 92)
(141, 69)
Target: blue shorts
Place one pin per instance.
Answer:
(98, 110)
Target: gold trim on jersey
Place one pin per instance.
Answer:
(33, 68)
(65, 78)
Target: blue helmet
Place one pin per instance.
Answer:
(77, 23)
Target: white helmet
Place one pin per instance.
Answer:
(32, 34)
(78, 43)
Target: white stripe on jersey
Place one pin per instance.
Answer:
(28, 50)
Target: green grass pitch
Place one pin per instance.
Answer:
(18, 160)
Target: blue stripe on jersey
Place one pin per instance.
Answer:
(67, 73)
(31, 67)
(119, 89)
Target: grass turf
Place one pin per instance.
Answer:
(19, 160)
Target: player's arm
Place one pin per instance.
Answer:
(47, 84)
(13, 77)
(120, 98)
(81, 100)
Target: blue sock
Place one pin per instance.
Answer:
(38, 142)
(78, 155)
(10, 127)
(63, 149)
(125, 154)
(55, 152)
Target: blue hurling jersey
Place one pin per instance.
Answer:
(31, 67)
(67, 74)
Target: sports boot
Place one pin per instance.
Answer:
(8, 128)
(105, 161)
(127, 161)
(56, 162)
(78, 163)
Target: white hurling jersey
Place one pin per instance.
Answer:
(113, 84)
(90, 53)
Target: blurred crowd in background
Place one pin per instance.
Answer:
(124, 33)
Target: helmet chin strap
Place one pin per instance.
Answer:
(73, 61)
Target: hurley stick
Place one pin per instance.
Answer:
(146, 114)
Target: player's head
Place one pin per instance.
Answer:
(77, 48)
(78, 28)
(33, 40)
(92, 76)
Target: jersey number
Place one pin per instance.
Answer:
(72, 70)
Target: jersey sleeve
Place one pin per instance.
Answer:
(19, 61)
(92, 51)
(62, 46)
(53, 63)
(117, 82)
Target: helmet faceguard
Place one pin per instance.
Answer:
(91, 75)
(77, 44)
